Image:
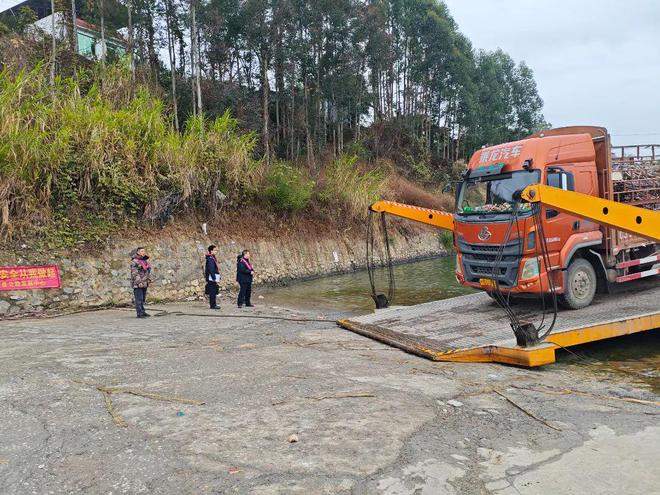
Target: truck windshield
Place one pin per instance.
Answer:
(494, 194)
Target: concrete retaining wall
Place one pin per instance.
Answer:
(103, 279)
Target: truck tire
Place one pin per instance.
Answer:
(581, 284)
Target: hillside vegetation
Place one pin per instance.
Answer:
(94, 154)
(299, 109)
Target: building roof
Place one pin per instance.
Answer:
(110, 35)
(11, 7)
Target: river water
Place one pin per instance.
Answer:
(416, 283)
(637, 356)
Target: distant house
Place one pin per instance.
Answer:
(89, 35)
(89, 41)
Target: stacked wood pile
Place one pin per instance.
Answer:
(637, 183)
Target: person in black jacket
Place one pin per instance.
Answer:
(244, 274)
(212, 276)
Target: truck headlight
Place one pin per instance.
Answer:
(530, 268)
(458, 265)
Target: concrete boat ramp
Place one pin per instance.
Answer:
(474, 328)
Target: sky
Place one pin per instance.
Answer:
(595, 62)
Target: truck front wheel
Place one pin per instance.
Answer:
(580, 285)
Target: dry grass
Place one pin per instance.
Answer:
(405, 191)
(353, 184)
(95, 154)
(94, 146)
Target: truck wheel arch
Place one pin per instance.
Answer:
(578, 242)
(578, 245)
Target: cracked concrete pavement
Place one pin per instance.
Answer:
(369, 418)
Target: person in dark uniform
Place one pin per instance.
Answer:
(140, 280)
(244, 274)
(212, 276)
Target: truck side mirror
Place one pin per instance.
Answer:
(447, 187)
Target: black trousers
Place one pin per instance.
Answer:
(140, 296)
(212, 289)
(245, 293)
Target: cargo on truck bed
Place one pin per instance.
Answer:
(635, 181)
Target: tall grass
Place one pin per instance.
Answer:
(103, 149)
(405, 191)
(95, 153)
(353, 185)
(288, 188)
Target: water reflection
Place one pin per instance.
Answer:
(637, 356)
(416, 283)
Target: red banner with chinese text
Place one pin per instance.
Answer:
(29, 277)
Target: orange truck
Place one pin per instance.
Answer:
(496, 248)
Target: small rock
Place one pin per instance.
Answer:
(4, 307)
(293, 438)
(260, 297)
(484, 453)
(460, 444)
(455, 403)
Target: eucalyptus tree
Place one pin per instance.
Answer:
(312, 75)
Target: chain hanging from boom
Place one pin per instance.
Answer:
(381, 300)
(526, 332)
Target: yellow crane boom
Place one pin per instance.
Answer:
(437, 218)
(631, 219)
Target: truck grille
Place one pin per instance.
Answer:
(487, 270)
(479, 261)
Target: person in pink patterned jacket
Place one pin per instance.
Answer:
(140, 279)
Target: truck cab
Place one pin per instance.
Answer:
(496, 237)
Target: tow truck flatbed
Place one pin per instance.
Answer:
(473, 328)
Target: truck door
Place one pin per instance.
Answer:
(559, 226)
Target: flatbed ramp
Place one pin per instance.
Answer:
(474, 328)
